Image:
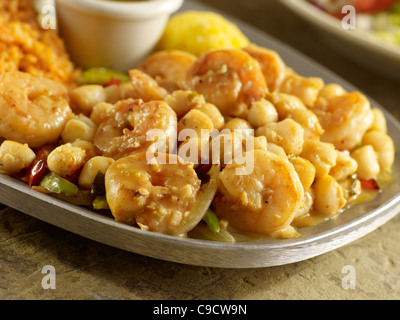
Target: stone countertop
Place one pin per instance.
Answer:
(86, 269)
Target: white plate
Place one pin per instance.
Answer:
(355, 44)
(346, 227)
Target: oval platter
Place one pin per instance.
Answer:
(348, 226)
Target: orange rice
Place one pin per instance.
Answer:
(25, 46)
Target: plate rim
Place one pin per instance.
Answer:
(272, 252)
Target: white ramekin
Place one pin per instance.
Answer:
(110, 34)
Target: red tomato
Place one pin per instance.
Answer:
(38, 168)
(372, 5)
(112, 81)
(369, 184)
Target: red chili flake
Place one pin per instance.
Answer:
(113, 81)
(369, 184)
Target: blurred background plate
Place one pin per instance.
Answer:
(355, 44)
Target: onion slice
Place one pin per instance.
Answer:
(208, 191)
(202, 231)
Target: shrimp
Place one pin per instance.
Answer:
(144, 87)
(168, 68)
(152, 195)
(266, 200)
(345, 119)
(272, 65)
(230, 79)
(32, 110)
(124, 130)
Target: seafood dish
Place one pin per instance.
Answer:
(225, 144)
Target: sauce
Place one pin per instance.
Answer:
(308, 220)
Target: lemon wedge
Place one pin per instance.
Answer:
(201, 31)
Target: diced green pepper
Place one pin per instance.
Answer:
(212, 220)
(100, 203)
(54, 183)
(102, 76)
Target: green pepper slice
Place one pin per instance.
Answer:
(102, 76)
(54, 183)
(212, 221)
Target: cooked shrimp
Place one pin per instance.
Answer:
(155, 196)
(32, 110)
(168, 68)
(264, 201)
(230, 79)
(271, 63)
(345, 119)
(125, 129)
(145, 87)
